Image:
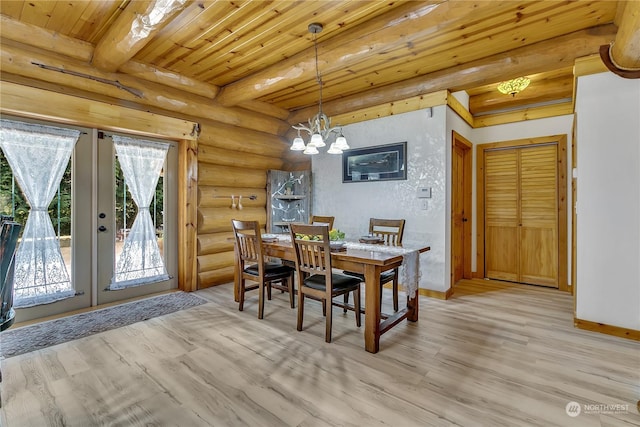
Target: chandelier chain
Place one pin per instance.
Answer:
(318, 76)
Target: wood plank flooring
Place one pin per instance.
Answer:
(493, 355)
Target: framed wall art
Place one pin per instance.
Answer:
(378, 163)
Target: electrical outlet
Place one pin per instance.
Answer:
(423, 204)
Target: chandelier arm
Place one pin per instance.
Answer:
(300, 126)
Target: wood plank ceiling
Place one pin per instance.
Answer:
(247, 53)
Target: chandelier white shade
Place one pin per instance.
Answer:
(319, 126)
(298, 143)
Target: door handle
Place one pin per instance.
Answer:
(102, 228)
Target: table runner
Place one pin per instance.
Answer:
(410, 268)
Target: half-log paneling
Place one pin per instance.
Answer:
(216, 220)
(232, 161)
(215, 277)
(229, 176)
(220, 197)
(215, 243)
(225, 156)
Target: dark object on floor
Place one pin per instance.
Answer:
(9, 231)
(41, 335)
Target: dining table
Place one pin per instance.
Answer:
(370, 260)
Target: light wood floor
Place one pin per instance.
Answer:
(493, 355)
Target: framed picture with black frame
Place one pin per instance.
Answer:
(377, 163)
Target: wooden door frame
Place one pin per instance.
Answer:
(458, 140)
(574, 217)
(561, 140)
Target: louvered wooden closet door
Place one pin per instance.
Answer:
(521, 215)
(502, 251)
(539, 216)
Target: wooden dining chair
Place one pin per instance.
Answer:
(322, 220)
(252, 266)
(315, 274)
(391, 231)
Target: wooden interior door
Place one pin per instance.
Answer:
(521, 214)
(539, 215)
(502, 198)
(461, 170)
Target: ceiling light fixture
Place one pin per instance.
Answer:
(319, 125)
(514, 86)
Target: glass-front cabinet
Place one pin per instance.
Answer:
(289, 195)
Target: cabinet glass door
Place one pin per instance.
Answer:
(289, 194)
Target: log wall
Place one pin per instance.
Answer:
(234, 150)
(223, 172)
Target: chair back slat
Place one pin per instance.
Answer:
(391, 230)
(322, 220)
(248, 241)
(248, 250)
(315, 276)
(312, 255)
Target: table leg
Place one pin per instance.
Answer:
(412, 308)
(372, 308)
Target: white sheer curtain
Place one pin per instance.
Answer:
(38, 156)
(140, 261)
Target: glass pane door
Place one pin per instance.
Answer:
(136, 211)
(92, 214)
(39, 190)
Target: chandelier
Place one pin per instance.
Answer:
(319, 127)
(514, 86)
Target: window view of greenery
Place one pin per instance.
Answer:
(126, 208)
(13, 203)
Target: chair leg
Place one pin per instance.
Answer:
(395, 292)
(324, 307)
(346, 301)
(300, 309)
(241, 302)
(269, 291)
(356, 304)
(327, 333)
(261, 299)
(292, 297)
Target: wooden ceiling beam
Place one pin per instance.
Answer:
(540, 57)
(622, 56)
(375, 37)
(134, 28)
(28, 102)
(538, 92)
(168, 78)
(50, 67)
(32, 35)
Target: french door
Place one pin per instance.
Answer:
(121, 253)
(102, 215)
(118, 252)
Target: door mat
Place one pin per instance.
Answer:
(35, 337)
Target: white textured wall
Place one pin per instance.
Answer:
(608, 224)
(354, 203)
